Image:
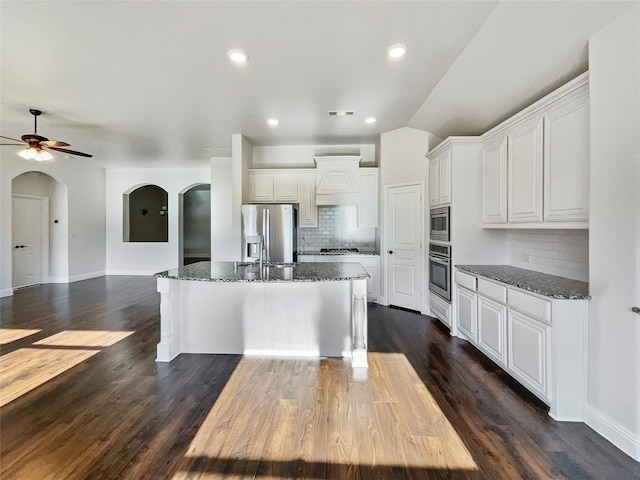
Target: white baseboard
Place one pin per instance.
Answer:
(58, 279)
(133, 272)
(620, 436)
(7, 292)
(86, 276)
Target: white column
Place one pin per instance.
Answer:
(168, 348)
(359, 315)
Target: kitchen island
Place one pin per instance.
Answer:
(302, 310)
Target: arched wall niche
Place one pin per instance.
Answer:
(145, 214)
(55, 230)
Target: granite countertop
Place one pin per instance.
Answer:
(298, 272)
(541, 283)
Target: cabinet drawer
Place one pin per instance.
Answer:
(465, 280)
(440, 309)
(492, 290)
(530, 305)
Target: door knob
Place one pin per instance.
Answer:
(390, 252)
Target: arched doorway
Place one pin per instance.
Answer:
(145, 214)
(195, 224)
(39, 230)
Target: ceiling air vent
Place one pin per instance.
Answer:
(341, 113)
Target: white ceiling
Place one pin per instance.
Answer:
(149, 83)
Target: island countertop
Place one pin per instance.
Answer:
(236, 272)
(541, 283)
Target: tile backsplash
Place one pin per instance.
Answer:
(557, 252)
(337, 228)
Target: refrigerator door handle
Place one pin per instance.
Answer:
(267, 235)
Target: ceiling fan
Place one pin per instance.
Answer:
(38, 145)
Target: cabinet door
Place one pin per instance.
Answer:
(368, 206)
(285, 188)
(434, 182)
(307, 210)
(260, 187)
(492, 329)
(528, 348)
(445, 177)
(495, 181)
(524, 153)
(373, 282)
(566, 162)
(466, 313)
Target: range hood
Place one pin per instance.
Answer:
(338, 180)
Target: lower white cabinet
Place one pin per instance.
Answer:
(528, 348)
(466, 313)
(371, 263)
(440, 309)
(492, 329)
(539, 341)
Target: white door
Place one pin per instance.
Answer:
(27, 215)
(404, 246)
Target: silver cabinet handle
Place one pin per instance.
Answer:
(635, 309)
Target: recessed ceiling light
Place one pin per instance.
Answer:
(396, 51)
(238, 56)
(273, 121)
(370, 120)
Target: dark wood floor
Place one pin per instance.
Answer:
(119, 414)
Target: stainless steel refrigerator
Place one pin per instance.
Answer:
(275, 226)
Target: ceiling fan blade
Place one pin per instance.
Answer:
(14, 144)
(54, 143)
(9, 138)
(72, 152)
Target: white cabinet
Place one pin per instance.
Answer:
(371, 263)
(273, 186)
(492, 329)
(368, 205)
(495, 181)
(307, 210)
(539, 341)
(543, 153)
(528, 347)
(440, 309)
(285, 188)
(524, 154)
(260, 187)
(566, 161)
(440, 179)
(466, 313)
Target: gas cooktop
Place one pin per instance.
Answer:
(339, 250)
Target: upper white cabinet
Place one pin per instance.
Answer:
(566, 142)
(307, 210)
(368, 204)
(440, 179)
(495, 181)
(543, 152)
(273, 186)
(524, 154)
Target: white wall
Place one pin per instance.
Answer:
(86, 213)
(301, 156)
(145, 258)
(38, 183)
(614, 238)
(557, 252)
(222, 240)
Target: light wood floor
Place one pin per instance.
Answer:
(312, 419)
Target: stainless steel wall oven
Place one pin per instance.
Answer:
(440, 224)
(440, 270)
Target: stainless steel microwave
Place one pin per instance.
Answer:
(440, 224)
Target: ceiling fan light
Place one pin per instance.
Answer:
(36, 154)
